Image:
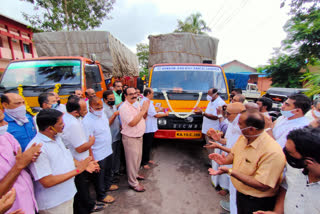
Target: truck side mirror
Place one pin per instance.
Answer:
(140, 84)
(231, 84)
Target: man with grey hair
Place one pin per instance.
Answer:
(240, 98)
(252, 106)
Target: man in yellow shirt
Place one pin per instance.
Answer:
(258, 162)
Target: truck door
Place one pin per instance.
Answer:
(93, 77)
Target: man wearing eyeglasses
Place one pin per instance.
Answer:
(133, 127)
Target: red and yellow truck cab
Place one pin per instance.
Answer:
(44, 74)
(180, 88)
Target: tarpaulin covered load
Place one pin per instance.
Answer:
(182, 48)
(116, 59)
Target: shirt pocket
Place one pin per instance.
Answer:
(248, 166)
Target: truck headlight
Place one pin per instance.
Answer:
(162, 122)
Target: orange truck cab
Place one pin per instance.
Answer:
(44, 74)
(180, 88)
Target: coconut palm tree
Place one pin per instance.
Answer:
(193, 24)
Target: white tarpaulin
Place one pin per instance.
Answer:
(182, 48)
(115, 58)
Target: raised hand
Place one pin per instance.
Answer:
(31, 154)
(215, 172)
(211, 145)
(214, 134)
(145, 106)
(198, 110)
(219, 159)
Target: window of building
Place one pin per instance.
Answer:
(26, 48)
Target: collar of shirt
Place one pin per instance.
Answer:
(257, 141)
(45, 138)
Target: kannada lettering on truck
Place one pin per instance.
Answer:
(43, 74)
(180, 88)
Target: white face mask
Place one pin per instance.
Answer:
(287, 114)
(209, 98)
(18, 113)
(97, 113)
(3, 129)
(256, 135)
(316, 113)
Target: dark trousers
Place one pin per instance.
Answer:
(83, 203)
(116, 148)
(248, 204)
(146, 147)
(103, 179)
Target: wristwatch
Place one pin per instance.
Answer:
(230, 171)
(219, 115)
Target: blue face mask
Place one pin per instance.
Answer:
(54, 106)
(287, 114)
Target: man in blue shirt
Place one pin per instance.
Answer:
(20, 124)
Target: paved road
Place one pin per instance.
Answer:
(179, 183)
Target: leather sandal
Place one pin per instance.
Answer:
(108, 199)
(138, 188)
(113, 187)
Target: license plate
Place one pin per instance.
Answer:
(188, 134)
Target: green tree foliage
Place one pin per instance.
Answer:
(193, 24)
(301, 48)
(143, 56)
(58, 15)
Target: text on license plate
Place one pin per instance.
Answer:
(188, 134)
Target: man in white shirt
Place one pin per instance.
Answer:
(233, 112)
(151, 128)
(292, 110)
(211, 120)
(314, 112)
(60, 107)
(97, 124)
(301, 186)
(74, 138)
(54, 170)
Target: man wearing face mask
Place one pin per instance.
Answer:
(97, 124)
(20, 124)
(258, 163)
(314, 112)
(74, 138)
(233, 112)
(55, 168)
(210, 116)
(293, 111)
(46, 100)
(133, 127)
(300, 189)
(117, 91)
(60, 107)
(112, 114)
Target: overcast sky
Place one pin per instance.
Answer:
(248, 30)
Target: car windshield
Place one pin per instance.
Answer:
(187, 78)
(42, 73)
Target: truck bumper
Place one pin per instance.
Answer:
(178, 134)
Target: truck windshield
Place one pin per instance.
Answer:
(187, 78)
(42, 73)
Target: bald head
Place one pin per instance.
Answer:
(252, 106)
(233, 110)
(11, 100)
(240, 98)
(90, 93)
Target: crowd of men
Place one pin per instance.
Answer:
(268, 165)
(49, 161)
